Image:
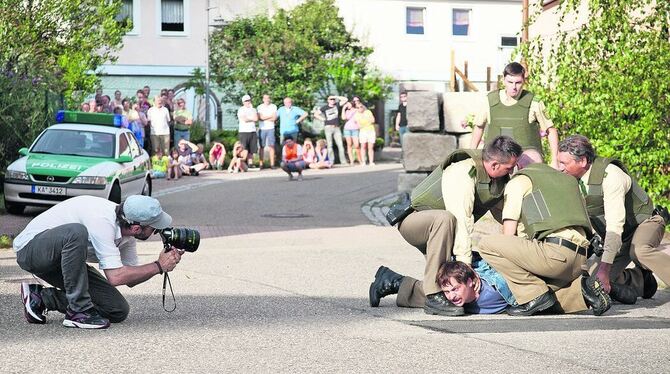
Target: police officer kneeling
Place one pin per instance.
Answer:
(56, 245)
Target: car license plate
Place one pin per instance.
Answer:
(48, 190)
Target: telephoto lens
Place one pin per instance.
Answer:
(181, 238)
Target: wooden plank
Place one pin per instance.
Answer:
(466, 82)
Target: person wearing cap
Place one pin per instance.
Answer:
(57, 244)
(330, 115)
(247, 116)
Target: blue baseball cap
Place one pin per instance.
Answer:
(146, 211)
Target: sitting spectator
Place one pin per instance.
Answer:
(85, 107)
(322, 156)
(308, 153)
(174, 168)
(292, 159)
(159, 165)
(185, 150)
(198, 161)
(239, 160)
(217, 156)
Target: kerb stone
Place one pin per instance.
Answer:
(424, 151)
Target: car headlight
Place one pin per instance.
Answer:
(12, 174)
(89, 180)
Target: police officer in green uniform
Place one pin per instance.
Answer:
(544, 244)
(442, 212)
(624, 215)
(517, 113)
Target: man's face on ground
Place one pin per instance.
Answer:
(459, 293)
(513, 85)
(568, 164)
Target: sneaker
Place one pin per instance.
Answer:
(33, 306)
(89, 319)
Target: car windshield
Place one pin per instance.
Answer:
(76, 143)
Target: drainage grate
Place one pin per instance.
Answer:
(286, 215)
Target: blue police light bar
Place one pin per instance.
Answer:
(71, 116)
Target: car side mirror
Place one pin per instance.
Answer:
(23, 151)
(125, 158)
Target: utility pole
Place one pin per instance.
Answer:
(208, 126)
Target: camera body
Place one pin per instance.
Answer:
(180, 238)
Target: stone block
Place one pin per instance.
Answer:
(423, 111)
(416, 86)
(407, 181)
(464, 140)
(424, 151)
(457, 106)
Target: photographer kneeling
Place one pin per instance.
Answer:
(56, 245)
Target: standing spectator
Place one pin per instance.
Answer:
(351, 130)
(322, 160)
(107, 106)
(368, 134)
(330, 115)
(171, 95)
(289, 118)
(118, 100)
(85, 107)
(247, 117)
(142, 109)
(401, 117)
(174, 168)
(217, 156)
(267, 114)
(159, 165)
(239, 160)
(292, 158)
(159, 117)
(183, 119)
(146, 90)
(134, 121)
(124, 120)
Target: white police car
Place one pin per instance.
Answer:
(83, 154)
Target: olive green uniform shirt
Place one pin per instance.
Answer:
(537, 112)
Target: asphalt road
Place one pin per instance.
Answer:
(271, 290)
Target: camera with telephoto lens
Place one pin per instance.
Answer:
(180, 238)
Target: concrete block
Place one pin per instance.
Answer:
(423, 111)
(457, 106)
(424, 151)
(418, 86)
(407, 181)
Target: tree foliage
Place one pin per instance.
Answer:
(50, 50)
(609, 80)
(304, 53)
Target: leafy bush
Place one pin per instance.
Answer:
(609, 80)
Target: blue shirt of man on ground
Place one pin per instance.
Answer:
(289, 118)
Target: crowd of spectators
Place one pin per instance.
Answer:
(162, 125)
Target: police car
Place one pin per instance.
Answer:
(82, 154)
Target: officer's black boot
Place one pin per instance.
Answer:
(595, 296)
(650, 284)
(387, 282)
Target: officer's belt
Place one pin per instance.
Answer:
(567, 244)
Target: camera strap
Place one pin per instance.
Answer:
(166, 281)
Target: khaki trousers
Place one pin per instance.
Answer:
(431, 232)
(531, 268)
(410, 294)
(643, 249)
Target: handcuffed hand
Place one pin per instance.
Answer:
(603, 276)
